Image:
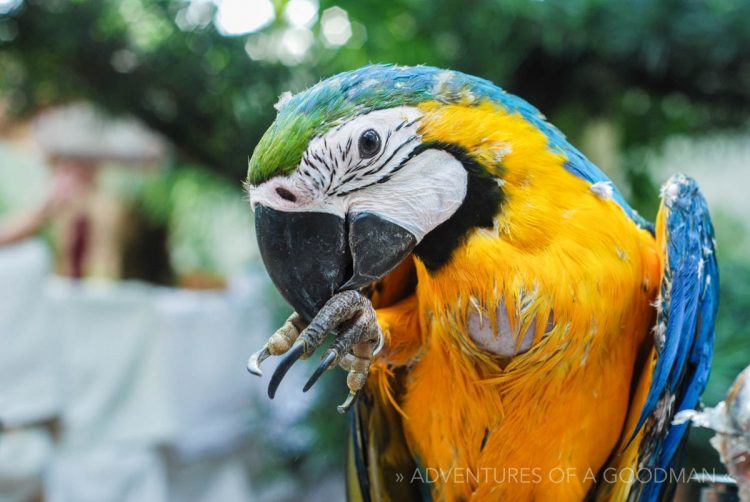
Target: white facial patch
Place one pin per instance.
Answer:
(419, 197)
(331, 167)
(415, 191)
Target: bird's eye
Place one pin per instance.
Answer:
(369, 144)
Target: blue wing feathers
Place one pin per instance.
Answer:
(685, 323)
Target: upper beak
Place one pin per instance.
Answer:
(310, 256)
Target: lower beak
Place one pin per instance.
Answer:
(310, 256)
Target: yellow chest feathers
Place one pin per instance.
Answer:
(569, 319)
(560, 256)
(528, 323)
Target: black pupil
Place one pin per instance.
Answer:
(369, 144)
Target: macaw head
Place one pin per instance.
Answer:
(369, 167)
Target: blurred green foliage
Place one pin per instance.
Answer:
(732, 350)
(17, 170)
(656, 67)
(200, 210)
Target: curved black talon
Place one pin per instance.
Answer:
(297, 350)
(324, 365)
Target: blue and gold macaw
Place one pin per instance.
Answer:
(512, 329)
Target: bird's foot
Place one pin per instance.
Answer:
(358, 340)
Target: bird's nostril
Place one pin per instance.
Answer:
(286, 194)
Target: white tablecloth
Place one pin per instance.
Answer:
(114, 383)
(132, 371)
(28, 348)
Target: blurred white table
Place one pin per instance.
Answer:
(28, 359)
(132, 371)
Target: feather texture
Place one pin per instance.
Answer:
(558, 251)
(676, 371)
(573, 271)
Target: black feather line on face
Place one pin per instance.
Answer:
(356, 174)
(483, 201)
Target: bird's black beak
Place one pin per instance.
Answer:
(312, 255)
